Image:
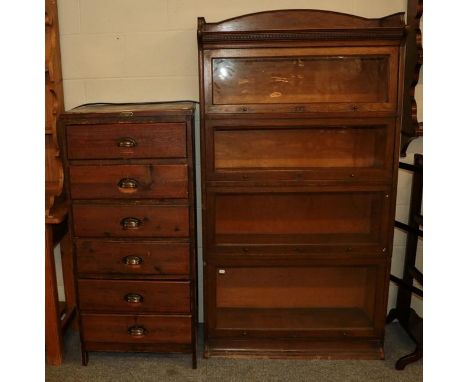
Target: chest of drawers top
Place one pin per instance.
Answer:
(132, 109)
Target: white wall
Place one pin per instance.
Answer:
(146, 50)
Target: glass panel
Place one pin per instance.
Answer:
(357, 147)
(307, 218)
(295, 298)
(300, 79)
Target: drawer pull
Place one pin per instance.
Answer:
(126, 142)
(134, 298)
(132, 260)
(137, 331)
(130, 223)
(128, 183)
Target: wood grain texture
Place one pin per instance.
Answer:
(158, 329)
(108, 257)
(300, 19)
(165, 140)
(108, 220)
(54, 105)
(128, 181)
(154, 296)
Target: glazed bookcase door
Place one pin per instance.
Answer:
(322, 301)
(302, 149)
(314, 218)
(319, 79)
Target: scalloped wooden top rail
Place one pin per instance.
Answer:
(299, 24)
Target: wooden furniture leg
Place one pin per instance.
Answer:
(68, 279)
(53, 330)
(58, 314)
(407, 359)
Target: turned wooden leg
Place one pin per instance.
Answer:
(53, 328)
(410, 358)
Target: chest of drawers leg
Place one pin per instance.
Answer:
(130, 181)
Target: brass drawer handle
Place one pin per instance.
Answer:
(126, 142)
(134, 298)
(130, 223)
(132, 260)
(127, 183)
(137, 331)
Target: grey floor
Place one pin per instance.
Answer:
(143, 367)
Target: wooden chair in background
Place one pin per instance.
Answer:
(57, 314)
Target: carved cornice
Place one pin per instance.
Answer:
(381, 33)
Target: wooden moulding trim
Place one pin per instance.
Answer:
(381, 33)
(301, 24)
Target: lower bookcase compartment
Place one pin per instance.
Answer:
(329, 310)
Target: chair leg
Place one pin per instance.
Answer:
(53, 329)
(410, 358)
(392, 315)
(68, 276)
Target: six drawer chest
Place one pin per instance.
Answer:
(130, 181)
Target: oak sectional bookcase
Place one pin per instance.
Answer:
(300, 121)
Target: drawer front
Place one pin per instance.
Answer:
(98, 257)
(313, 300)
(134, 296)
(129, 181)
(136, 329)
(111, 141)
(320, 216)
(320, 79)
(331, 149)
(130, 221)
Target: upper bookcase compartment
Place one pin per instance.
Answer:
(300, 61)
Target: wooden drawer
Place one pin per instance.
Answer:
(319, 79)
(327, 300)
(99, 257)
(129, 181)
(315, 216)
(300, 149)
(130, 220)
(136, 328)
(128, 140)
(134, 296)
